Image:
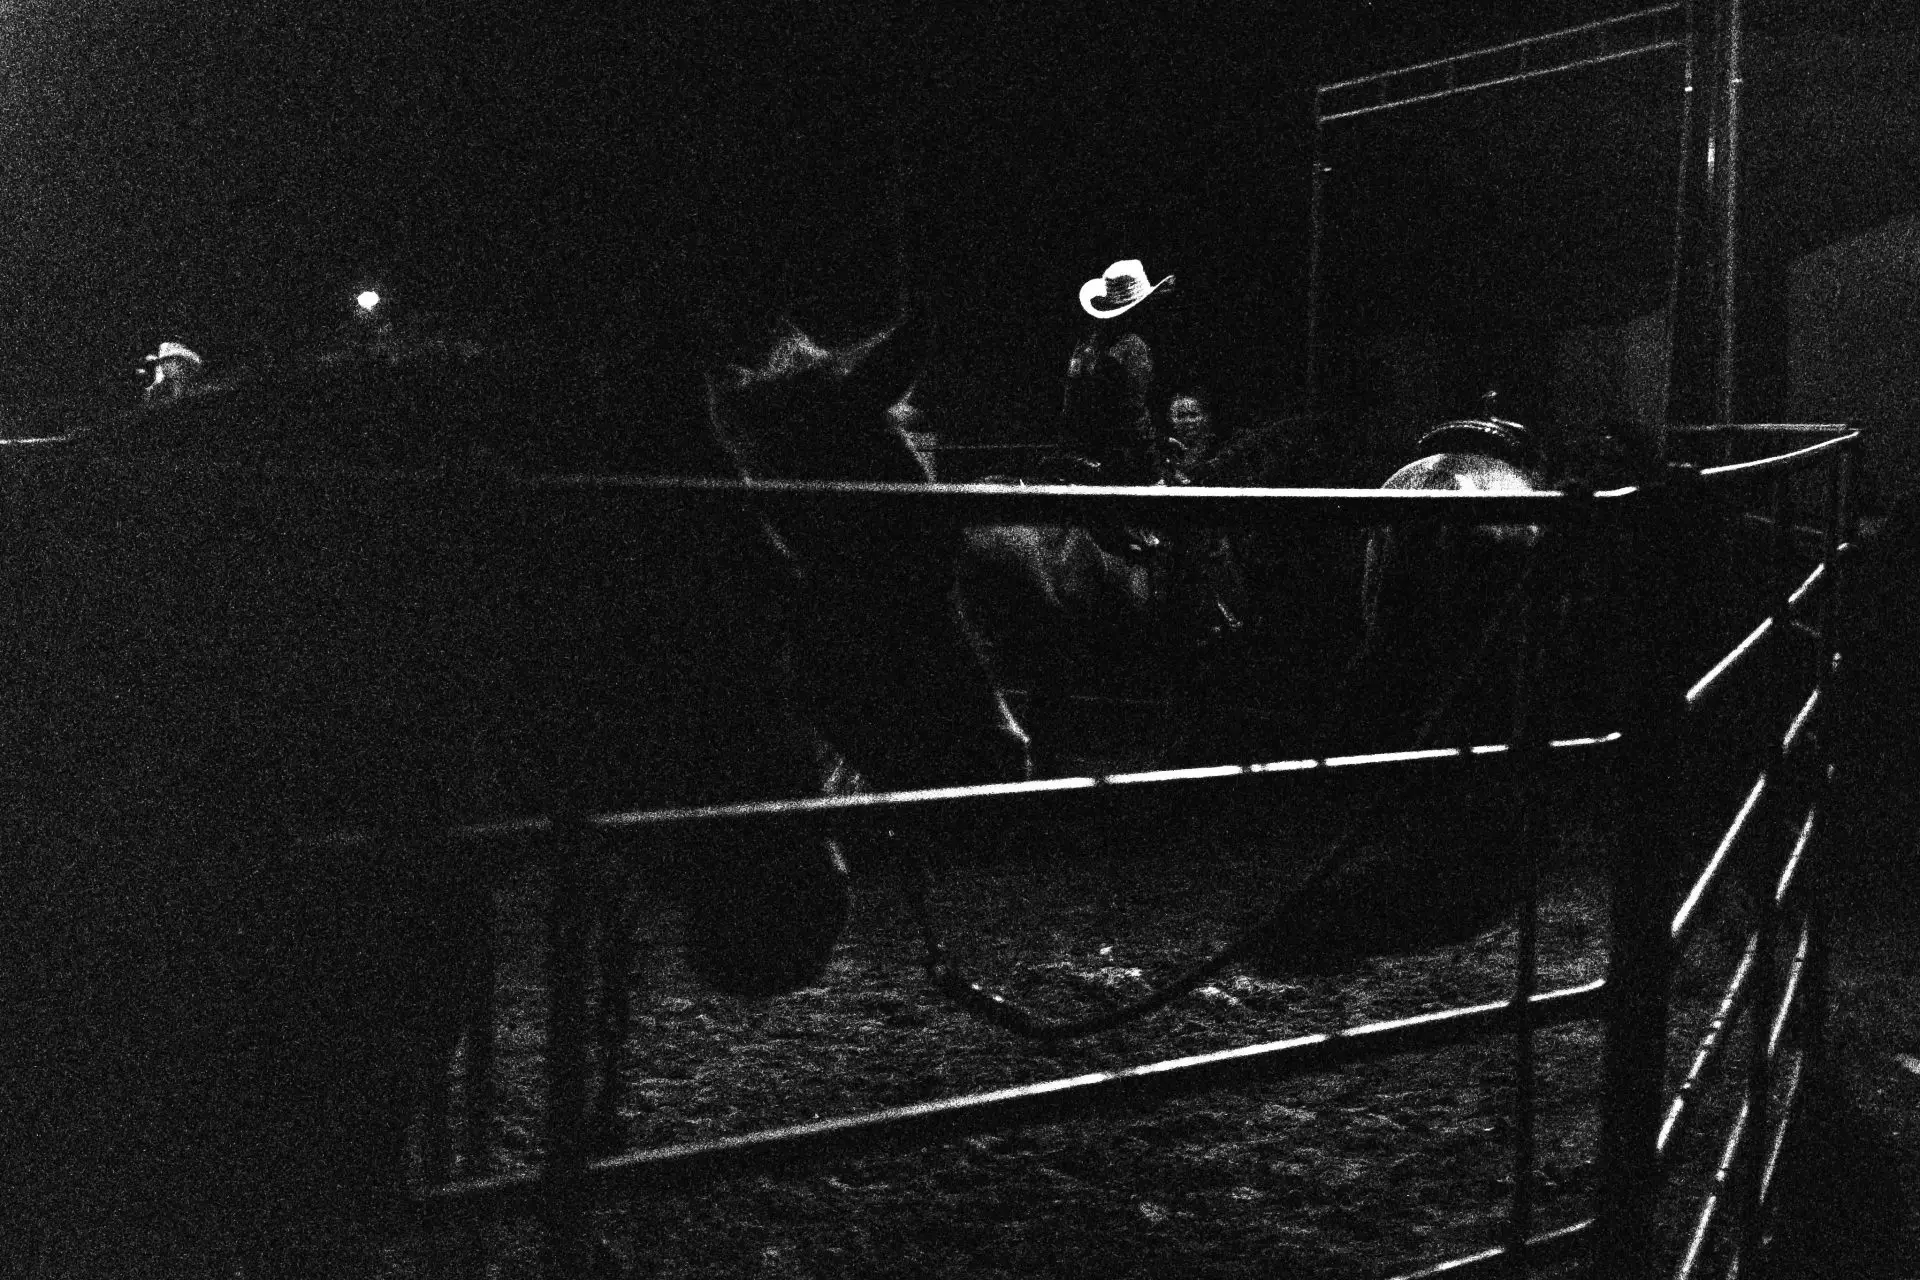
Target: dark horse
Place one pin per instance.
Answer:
(1436, 669)
(1145, 611)
(1430, 591)
(344, 597)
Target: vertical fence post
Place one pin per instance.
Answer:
(1836, 676)
(1542, 624)
(1527, 719)
(567, 1252)
(1634, 1060)
(480, 1102)
(1769, 989)
(1640, 959)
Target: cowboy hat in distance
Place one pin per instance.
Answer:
(1120, 288)
(173, 351)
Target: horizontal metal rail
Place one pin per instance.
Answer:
(1716, 675)
(1687, 918)
(1789, 995)
(1757, 428)
(1048, 1102)
(1793, 460)
(1716, 1192)
(1184, 506)
(1790, 740)
(1545, 1249)
(1790, 872)
(1800, 598)
(1790, 1096)
(1492, 82)
(1706, 1054)
(1592, 44)
(1782, 1129)
(1159, 505)
(1802, 593)
(1733, 999)
(824, 814)
(1169, 506)
(1805, 532)
(1748, 644)
(1737, 1137)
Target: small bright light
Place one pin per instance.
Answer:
(368, 300)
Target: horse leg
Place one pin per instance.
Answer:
(619, 969)
(472, 1041)
(436, 1124)
(481, 1012)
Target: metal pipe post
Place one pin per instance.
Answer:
(1539, 628)
(567, 1251)
(1640, 959)
(481, 1102)
(1838, 677)
(1768, 987)
(1316, 229)
(1727, 209)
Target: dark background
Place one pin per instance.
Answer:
(230, 175)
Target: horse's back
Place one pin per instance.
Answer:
(1430, 594)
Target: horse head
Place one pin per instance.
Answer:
(885, 660)
(811, 412)
(883, 666)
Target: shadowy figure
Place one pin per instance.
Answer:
(1435, 669)
(175, 371)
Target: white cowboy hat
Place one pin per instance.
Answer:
(1122, 287)
(173, 351)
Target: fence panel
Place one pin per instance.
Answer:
(1778, 987)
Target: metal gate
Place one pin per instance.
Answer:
(1787, 641)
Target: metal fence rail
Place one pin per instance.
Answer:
(1590, 44)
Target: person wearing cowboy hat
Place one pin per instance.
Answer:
(1109, 385)
(175, 368)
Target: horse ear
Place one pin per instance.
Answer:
(891, 361)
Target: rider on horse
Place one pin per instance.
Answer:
(1114, 435)
(1107, 409)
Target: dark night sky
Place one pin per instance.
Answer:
(231, 173)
